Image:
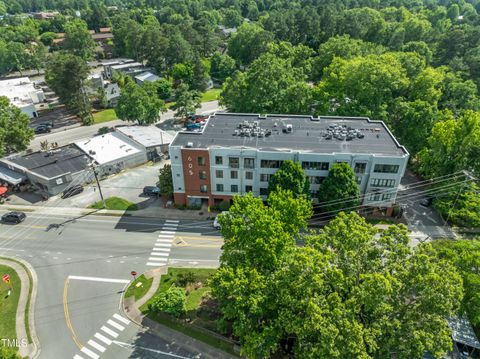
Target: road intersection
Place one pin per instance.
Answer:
(83, 265)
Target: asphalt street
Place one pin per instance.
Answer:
(68, 135)
(84, 264)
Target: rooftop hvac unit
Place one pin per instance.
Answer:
(189, 145)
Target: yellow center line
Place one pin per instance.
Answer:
(67, 315)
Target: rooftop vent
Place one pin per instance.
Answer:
(189, 145)
(251, 129)
(341, 133)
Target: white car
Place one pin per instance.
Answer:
(216, 224)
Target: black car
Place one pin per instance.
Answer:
(151, 191)
(426, 202)
(72, 191)
(42, 129)
(14, 217)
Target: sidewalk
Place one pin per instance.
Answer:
(149, 212)
(132, 311)
(32, 350)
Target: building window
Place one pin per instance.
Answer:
(249, 175)
(203, 175)
(201, 161)
(249, 162)
(358, 179)
(386, 168)
(374, 197)
(315, 179)
(234, 174)
(265, 177)
(218, 160)
(203, 188)
(387, 196)
(270, 163)
(219, 187)
(234, 188)
(360, 167)
(219, 174)
(263, 191)
(316, 166)
(248, 188)
(178, 174)
(233, 162)
(382, 182)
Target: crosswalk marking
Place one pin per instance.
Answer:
(155, 259)
(156, 264)
(172, 220)
(76, 356)
(163, 244)
(164, 241)
(170, 225)
(120, 318)
(161, 254)
(170, 236)
(167, 232)
(102, 338)
(109, 332)
(89, 353)
(115, 325)
(95, 345)
(161, 249)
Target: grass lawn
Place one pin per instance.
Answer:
(169, 104)
(105, 115)
(8, 306)
(117, 203)
(194, 298)
(139, 292)
(210, 95)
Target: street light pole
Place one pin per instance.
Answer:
(94, 168)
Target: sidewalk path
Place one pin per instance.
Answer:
(30, 350)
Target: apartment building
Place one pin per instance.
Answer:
(238, 153)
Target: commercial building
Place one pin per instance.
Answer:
(50, 171)
(113, 152)
(238, 153)
(153, 140)
(22, 93)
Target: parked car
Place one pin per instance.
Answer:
(14, 217)
(216, 224)
(47, 124)
(426, 202)
(72, 191)
(42, 129)
(151, 191)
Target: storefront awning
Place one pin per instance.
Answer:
(10, 176)
(462, 332)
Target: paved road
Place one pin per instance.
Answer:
(69, 255)
(68, 135)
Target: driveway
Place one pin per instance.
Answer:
(424, 222)
(127, 184)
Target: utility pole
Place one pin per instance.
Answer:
(94, 168)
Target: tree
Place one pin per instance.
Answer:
(290, 176)
(66, 74)
(339, 190)
(78, 40)
(172, 301)
(461, 205)
(8, 353)
(186, 101)
(270, 85)
(222, 67)
(248, 43)
(166, 181)
(15, 132)
(139, 103)
(164, 88)
(232, 17)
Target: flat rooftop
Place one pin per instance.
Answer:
(321, 134)
(51, 164)
(107, 148)
(18, 90)
(147, 136)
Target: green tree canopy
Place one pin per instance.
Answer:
(290, 176)
(15, 132)
(248, 43)
(78, 40)
(339, 190)
(140, 103)
(172, 301)
(186, 101)
(166, 181)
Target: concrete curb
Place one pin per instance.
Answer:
(34, 347)
(132, 312)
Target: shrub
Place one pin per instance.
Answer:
(103, 130)
(224, 206)
(185, 278)
(173, 302)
